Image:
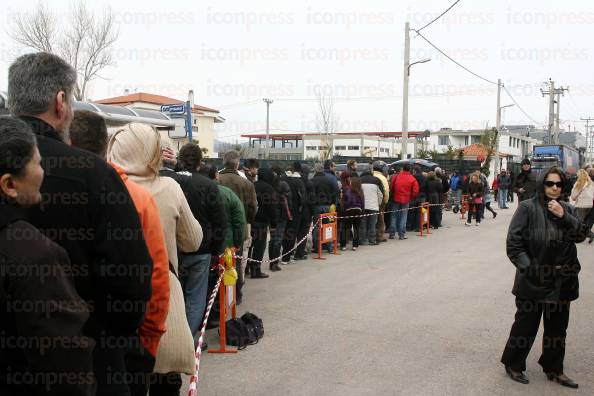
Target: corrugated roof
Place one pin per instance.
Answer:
(149, 98)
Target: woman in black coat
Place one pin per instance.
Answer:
(434, 188)
(541, 244)
(43, 350)
(476, 192)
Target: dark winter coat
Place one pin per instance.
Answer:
(445, 184)
(527, 181)
(475, 190)
(206, 204)
(542, 248)
(350, 200)
(434, 189)
(235, 216)
(88, 211)
(298, 193)
(325, 192)
(34, 271)
(268, 206)
(310, 194)
(504, 182)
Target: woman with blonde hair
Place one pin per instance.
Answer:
(582, 194)
(136, 149)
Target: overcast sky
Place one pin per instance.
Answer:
(234, 53)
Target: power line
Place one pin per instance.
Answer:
(455, 61)
(440, 15)
(520, 107)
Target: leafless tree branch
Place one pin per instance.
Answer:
(326, 122)
(86, 42)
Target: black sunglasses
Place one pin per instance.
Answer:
(549, 183)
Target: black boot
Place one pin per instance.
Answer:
(275, 267)
(258, 274)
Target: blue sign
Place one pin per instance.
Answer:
(173, 108)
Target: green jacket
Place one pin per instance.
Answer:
(235, 227)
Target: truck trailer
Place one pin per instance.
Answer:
(545, 156)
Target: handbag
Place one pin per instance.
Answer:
(254, 324)
(477, 200)
(236, 334)
(176, 349)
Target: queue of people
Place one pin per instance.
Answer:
(108, 244)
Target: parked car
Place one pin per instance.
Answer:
(425, 165)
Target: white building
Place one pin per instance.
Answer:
(299, 146)
(513, 146)
(203, 118)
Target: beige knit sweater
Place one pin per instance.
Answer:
(136, 148)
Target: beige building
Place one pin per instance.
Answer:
(203, 119)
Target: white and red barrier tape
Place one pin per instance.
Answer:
(193, 389)
(237, 257)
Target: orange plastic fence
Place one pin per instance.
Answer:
(327, 232)
(424, 218)
(464, 206)
(224, 309)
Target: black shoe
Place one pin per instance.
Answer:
(204, 346)
(259, 275)
(300, 258)
(275, 267)
(562, 379)
(392, 236)
(517, 376)
(402, 238)
(494, 214)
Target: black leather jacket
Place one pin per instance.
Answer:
(542, 248)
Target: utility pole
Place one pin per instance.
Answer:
(553, 125)
(406, 75)
(405, 70)
(589, 140)
(268, 103)
(497, 127)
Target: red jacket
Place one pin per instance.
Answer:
(157, 308)
(404, 187)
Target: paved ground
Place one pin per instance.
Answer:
(425, 316)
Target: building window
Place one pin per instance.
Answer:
(353, 147)
(312, 148)
(466, 140)
(475, 139)
(443, 140)
(510, 141)
(339, 147)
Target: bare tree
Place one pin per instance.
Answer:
(326, 122)
(85, 40)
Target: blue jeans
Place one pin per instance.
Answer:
(398, 219)
(368, 227)
(276, 240)
(193, 276)
(502, 198)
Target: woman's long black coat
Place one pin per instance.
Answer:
(542, 248)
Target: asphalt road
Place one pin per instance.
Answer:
(424, 316)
